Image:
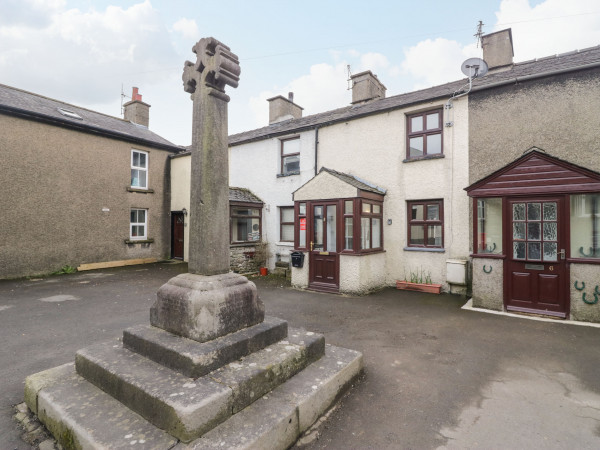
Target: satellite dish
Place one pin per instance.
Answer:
(474, 68)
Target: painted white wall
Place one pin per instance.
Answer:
(373, 148)
(181, 174)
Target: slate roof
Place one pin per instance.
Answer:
(536, 68)
(354, 181)
(242, 195)
(32, 106)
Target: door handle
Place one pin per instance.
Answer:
(562, 253)
(311, 245)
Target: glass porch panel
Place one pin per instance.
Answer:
(331, 228)
(489, 225)
(376, 232)
(519, 211)
(318, 228)
(348, 233)
(348, 205)
(365, 233)
(585, 226)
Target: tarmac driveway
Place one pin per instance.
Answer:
(436, 376)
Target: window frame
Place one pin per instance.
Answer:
(144, 224)
(139, 168)
(369, 215)
(284, 155)
(424, 222)
(282, 223)
(232, 216)
(425, 133)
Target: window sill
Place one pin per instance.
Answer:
(487, 256)
(362, 253)
(423, 158)
(142, 191)
(424, 249)
(285, 244)
(138, 241)
(244, 244)
(281, 175)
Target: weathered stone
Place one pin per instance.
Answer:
(184, 407)
(79, 415)
(259, 373)
(206, 307)
(38, 381)
(195, 359)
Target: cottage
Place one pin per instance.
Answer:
(79, 188)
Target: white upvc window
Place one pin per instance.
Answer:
(139, 169)
(138, 224)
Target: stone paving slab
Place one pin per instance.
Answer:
(184, 407)
(262, 371)
(80, 415)
(276, 420)
(195, 359)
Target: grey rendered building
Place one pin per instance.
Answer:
(79, 187)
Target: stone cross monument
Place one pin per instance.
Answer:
(209, 301)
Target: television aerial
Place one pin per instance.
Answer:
(474, 68)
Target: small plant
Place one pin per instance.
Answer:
(64, 270)
(420, 276)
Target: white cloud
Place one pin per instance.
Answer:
(187, 27)
(553, 26)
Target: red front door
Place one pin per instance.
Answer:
(323, 255)
(177, 229)
(536, 273)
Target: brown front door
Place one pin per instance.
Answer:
(177, 227)
(536, 273)
(323, 256)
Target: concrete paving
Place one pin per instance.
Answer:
(437, 376)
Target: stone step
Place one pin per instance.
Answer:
(284, 264)
(195, 359)
(79, 415)
(277, 420)
(186, 407)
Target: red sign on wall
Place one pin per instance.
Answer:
(303, 224)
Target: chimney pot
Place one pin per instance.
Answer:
(136, 110)
(291, 96)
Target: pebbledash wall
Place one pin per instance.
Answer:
(374, 149)
(557, 114)
(65, 200)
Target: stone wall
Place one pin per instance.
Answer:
(243, 259)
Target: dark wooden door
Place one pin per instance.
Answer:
(177, 230)
(536, 273)
(323, 255)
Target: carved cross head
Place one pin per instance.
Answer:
(215, 66)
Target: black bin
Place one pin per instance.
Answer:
(297, 259)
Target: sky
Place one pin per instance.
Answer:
(88, 52)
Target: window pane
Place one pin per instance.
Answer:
(519, 230)
(416, 124)
(376, 231)
(416, 146)
(133, 216)
(550, 231)
(135, 159)
(434, 144)
(417, 235)
(302, 209)
(365, 233)
(348, 233)
(433, 212)
(489, 225)
(417, 212)
(135, 177)
(433, 121)
(291, 146)
(244, 211)
(434, 235)
(366, 207)
(245, 229)
(519, 211)
(331, 228)
(550, 251)
(376, 209)
(533, 231)
(519, 250)
(318, 228)
(585, 226)
(287, 214)
(142, 160)
(534, 211)
(348, 206)
(291, 164)
(287, 233)
(302, 233)
(550, 211)
(141, 214)
(142, 179)
(534, 251)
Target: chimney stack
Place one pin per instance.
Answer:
(366, 87)
(498, 49)
(136, 110)
(281, 108)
